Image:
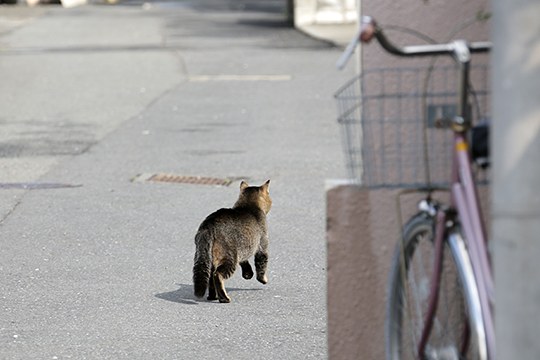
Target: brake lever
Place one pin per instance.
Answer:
(365, 34)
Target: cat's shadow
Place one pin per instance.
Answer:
(184, 295)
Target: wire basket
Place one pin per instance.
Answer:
(390, 120)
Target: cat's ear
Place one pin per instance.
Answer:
(243, 185)
(265, 186)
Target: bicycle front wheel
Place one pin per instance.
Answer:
(457, 331)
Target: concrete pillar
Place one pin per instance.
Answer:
(362, 229)
(516, 177)
(355, 286)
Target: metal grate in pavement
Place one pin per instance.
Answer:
(182, 179)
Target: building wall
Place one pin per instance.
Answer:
(440, 20)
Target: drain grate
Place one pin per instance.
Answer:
(182, 179)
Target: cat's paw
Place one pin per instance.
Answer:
(247, 274)
(262, 279)
(225, 300)
(247, 271)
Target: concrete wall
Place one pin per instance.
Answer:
(439, 19)
(325, 11)
(362, 225)
(330, 20)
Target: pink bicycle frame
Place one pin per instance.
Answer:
(466, 203)
(465, 200)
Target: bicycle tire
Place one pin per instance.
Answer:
(457, 332)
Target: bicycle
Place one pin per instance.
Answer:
(442, 310)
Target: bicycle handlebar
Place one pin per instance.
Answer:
(460, 49)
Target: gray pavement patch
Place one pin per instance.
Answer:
(37, 186)
(206, 78)
(86, 49)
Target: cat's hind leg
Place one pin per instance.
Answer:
(247, 271)
(261, 262)
(220, 288)
(211, 286)
(222, 272)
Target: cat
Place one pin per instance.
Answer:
(229, 237)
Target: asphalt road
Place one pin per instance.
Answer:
(95, 265)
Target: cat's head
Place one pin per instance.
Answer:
(256, 195)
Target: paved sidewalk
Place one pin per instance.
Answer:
(94, 96)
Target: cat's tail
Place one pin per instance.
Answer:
(202, 262)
